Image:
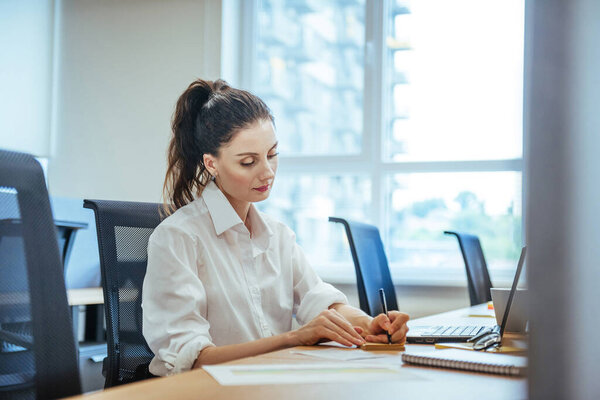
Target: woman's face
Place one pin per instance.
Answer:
(245, 167)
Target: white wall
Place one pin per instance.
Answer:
(120, 67)
(419, 301)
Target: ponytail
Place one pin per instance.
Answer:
(206, 116)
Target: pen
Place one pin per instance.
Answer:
(385, 311)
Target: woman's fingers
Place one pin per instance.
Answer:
(377, 338)
(380, 323)
(334, 327)
(398, 320)
(343, 323)
(400, 335)
(336, 337)
(328, 335)
(395, 325)
(331, 325)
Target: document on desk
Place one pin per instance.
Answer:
(345, 355)
(278, 374)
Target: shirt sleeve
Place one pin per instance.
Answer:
(174, 302)
(311, 294)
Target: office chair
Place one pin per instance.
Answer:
(478, 277)
(371, 266)
(123, 232)
(38, 357)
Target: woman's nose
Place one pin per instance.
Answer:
(268, 171)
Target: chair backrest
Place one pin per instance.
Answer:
(38, 357)
(123, 232)
(371, 266)
(478, 277)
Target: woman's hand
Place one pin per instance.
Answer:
(328, 325)
(395, 325)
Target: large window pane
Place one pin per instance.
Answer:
(423, 205)
(452, 89)
(309, 65)
(304, 203)
(455, 80)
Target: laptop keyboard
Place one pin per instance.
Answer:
(467, 330)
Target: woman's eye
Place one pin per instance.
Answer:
(247, 164)
(273, 155)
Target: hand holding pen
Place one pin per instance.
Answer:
(389, 326)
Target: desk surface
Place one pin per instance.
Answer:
(76, 297)
(85, 296)
(427, 382)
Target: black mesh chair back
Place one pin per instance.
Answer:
(478, 277)
(123, 232)
(371, 266)
(38, 357)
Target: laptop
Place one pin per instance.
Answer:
(464, 333)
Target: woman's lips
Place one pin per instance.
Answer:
(262, 188)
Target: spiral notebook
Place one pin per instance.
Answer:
(470, 361)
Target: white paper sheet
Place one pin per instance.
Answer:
(342, 355)
(265, 374)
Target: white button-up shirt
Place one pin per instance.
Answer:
(209, 282)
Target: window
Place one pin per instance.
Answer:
(405, 114)
(26, 33)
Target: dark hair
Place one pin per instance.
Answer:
(207, 116)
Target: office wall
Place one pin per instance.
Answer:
(119, 69)
(419, 301)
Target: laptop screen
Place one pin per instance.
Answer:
(513, 290)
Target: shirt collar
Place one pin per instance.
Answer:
(221, 212)
(224, 216)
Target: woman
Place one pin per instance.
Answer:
(224, 280)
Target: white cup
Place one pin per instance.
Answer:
(517, 318)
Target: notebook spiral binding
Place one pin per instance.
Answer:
(433, 361)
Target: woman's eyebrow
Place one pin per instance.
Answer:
(255, 154)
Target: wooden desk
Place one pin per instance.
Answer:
(94, 316)
(427, 382)
(75, 297)
(85, 296)
(94, 326)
